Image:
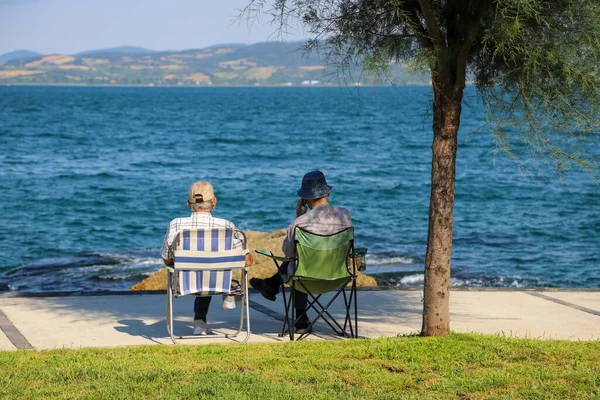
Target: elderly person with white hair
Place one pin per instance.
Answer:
(201, 201)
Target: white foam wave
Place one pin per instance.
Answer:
(145, 261)
(412, 280)
(134, 260)
(377, 260)
(419, 279)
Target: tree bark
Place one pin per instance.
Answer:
(446, 121)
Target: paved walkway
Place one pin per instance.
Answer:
(71, 321)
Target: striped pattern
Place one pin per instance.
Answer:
(204, 259)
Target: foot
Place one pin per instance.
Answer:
(301, 325)
(302, 331)
(264, 288)
(201, 328)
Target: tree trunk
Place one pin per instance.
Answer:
(446, 121)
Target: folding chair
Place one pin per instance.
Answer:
(204, 263)
(322, 264)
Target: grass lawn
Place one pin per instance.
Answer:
(462, 366)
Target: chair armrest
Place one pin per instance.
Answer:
(268, 253)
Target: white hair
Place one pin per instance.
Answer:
(203, 206)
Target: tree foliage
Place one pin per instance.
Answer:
(534, 62)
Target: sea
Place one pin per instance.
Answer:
(91, 176)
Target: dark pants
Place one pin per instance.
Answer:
(201, 305)
(299, 297)
(300, 301)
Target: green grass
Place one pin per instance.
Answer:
(459, 366)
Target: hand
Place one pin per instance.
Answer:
(249, 260)
(301, 207)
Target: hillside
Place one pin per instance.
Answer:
(18, 55)
(269, 63)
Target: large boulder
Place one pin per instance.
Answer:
(263, 267)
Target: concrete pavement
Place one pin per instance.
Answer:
(75, 321)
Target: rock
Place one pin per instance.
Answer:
(263, 267)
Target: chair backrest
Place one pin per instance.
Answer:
(322, 260)
(205, 259)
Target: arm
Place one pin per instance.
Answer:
(166, 251)
(240, 242)
(288, 246)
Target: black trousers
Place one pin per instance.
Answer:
(299, 297)
(201, 305)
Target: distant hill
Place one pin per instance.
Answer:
(268, 63)
(119, 49)
(17, 55)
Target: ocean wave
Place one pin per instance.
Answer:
(383, 260)
(120, 277)
(61, 263)
(497, 281)
(96, 271)
(132, 259)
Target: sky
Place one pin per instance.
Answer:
(71, 26)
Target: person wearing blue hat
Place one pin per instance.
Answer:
(323, 219)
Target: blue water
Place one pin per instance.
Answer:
(90, 178)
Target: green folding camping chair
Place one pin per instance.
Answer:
(322, 264)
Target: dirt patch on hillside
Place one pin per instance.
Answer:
(77, 67)
(55, 59)
(198, 77)
(14, 73)
(261, 73)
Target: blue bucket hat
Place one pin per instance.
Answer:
(314, 186)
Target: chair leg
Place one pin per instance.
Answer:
(349, 303)
(170, 306)
(286, 304)
(322, 310)
(348, 316)
(347, 319)
(327, 317)
(355, 308)
(246, 305)
(322, 313)
(350, 325)
(244, 310)
(293, 310)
